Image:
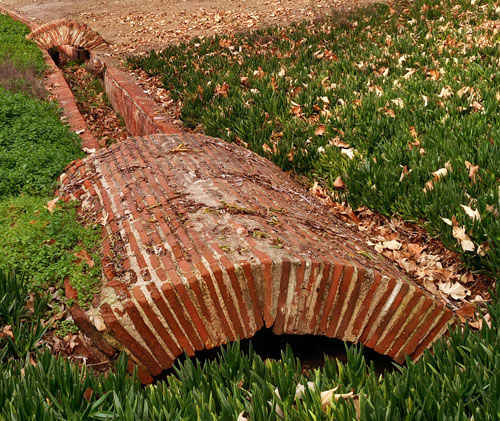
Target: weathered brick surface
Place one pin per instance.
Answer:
(66, 32)
(207, 242)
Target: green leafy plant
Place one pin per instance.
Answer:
(15, 47)
(34, 146)
(48, 246)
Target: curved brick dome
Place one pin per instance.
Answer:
(66, 32)
(206, 242)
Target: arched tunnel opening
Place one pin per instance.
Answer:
(310, 350)
(64, 54)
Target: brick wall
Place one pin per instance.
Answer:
(141, 115)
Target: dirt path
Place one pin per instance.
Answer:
(132, 26)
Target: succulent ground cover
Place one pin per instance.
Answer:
(394, 108)
(458, 381)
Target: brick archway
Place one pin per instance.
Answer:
(66, 32)
(205, 242)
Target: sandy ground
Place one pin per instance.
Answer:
(132, 26)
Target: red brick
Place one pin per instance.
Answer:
(123, 336)
(351, 304)
(418, 333)
(345, 282)
(390, 336)
(282, 293)
(384, 322)
(330, 299)
(363, 312)
(408, 329)
(155, 321)
(445, 318)
(376, 311)
(174, 326)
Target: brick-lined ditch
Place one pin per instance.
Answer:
(103, 122)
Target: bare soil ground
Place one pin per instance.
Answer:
(132, 26)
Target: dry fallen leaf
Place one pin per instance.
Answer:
(320, 130)
(392, 245)
(433, 74)
(398, 102)
(473, 169)
(6, 331)
(84, 256)
(338, 183)
(474, 214)
(300, 389)
(439, 173)
(241, 416)
(465, 241)
(339, 143)
(51, 204)
(466, 311)
(266, 148)
(222, 90)
(454, 290)
(328, 396)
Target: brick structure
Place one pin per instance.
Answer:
(205, 242)
(65, 32)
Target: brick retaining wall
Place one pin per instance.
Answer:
(141, 115)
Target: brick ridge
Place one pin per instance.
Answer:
(167, 211)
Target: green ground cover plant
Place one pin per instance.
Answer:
(43, 243)
(16, 48)
(400, 101)
(458, 381)
(35, 146)
(48, 246)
